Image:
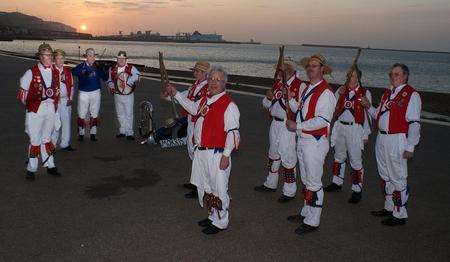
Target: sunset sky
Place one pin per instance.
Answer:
(407, 24)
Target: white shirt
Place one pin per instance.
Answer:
(185, 93)
(412, 115)
(325, 106)
(131, 79)
(46, 73)
(63, 88)
(347, 116)
(276, 110)
(231, 120)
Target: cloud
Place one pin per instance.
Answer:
(94, 4)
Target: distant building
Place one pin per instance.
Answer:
(198, 37)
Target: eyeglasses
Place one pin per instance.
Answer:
(215, 80)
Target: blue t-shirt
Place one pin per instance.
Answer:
(89, 77)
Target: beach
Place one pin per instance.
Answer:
(121, 201)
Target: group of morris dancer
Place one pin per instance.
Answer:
(306, 115)
(344, 117)
(47, 91)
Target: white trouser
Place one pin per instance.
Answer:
(124, 110)
(282, 152)
(311, 157)
(65, 115)
(88, 102)
(393, 170)
(347, 139)
(39, 127)
(208, 178)
(189, 138)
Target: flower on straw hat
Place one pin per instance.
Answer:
(304, 62)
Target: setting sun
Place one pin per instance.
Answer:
(83, 27)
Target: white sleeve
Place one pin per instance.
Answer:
(73, 88)
(373, 111)
(413, 118)
(366, 125)
(266, 103)
(134, 76)
(187, 104)
(324, 113)
(293, 105)
(231, 119)
(25, 80)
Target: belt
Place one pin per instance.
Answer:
(278, 119)
(388, 133)
(346, 123)
(216, 149)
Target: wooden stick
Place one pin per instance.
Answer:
(165, 82)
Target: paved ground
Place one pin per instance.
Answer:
(119, 201)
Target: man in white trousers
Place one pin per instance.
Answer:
(350, 133)
(89, 76)
(282, 151)
(39, 91)
(216, 135)
(398, 121)
(126, 75)
(64, 111)
(315, 112)
(194, 93)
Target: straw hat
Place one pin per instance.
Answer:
(44, 49)
(201, 65)
(169, 122)
(288, 62)
(122, 54)
(60, 52)
(304, 62)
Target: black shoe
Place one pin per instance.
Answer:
(93, 138)
(381, 213)
(53, 171)
(120, 135)
(332, 187)
(80, 138)
(263, 188)
(298, 219)
(131, 138)
(192, 194)
(211, 230)
(30, 176)
(285, 199)
(205, 222)
(68, 148)
(189, 186)
(393, 221)
(355, 198)
(304, 229)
